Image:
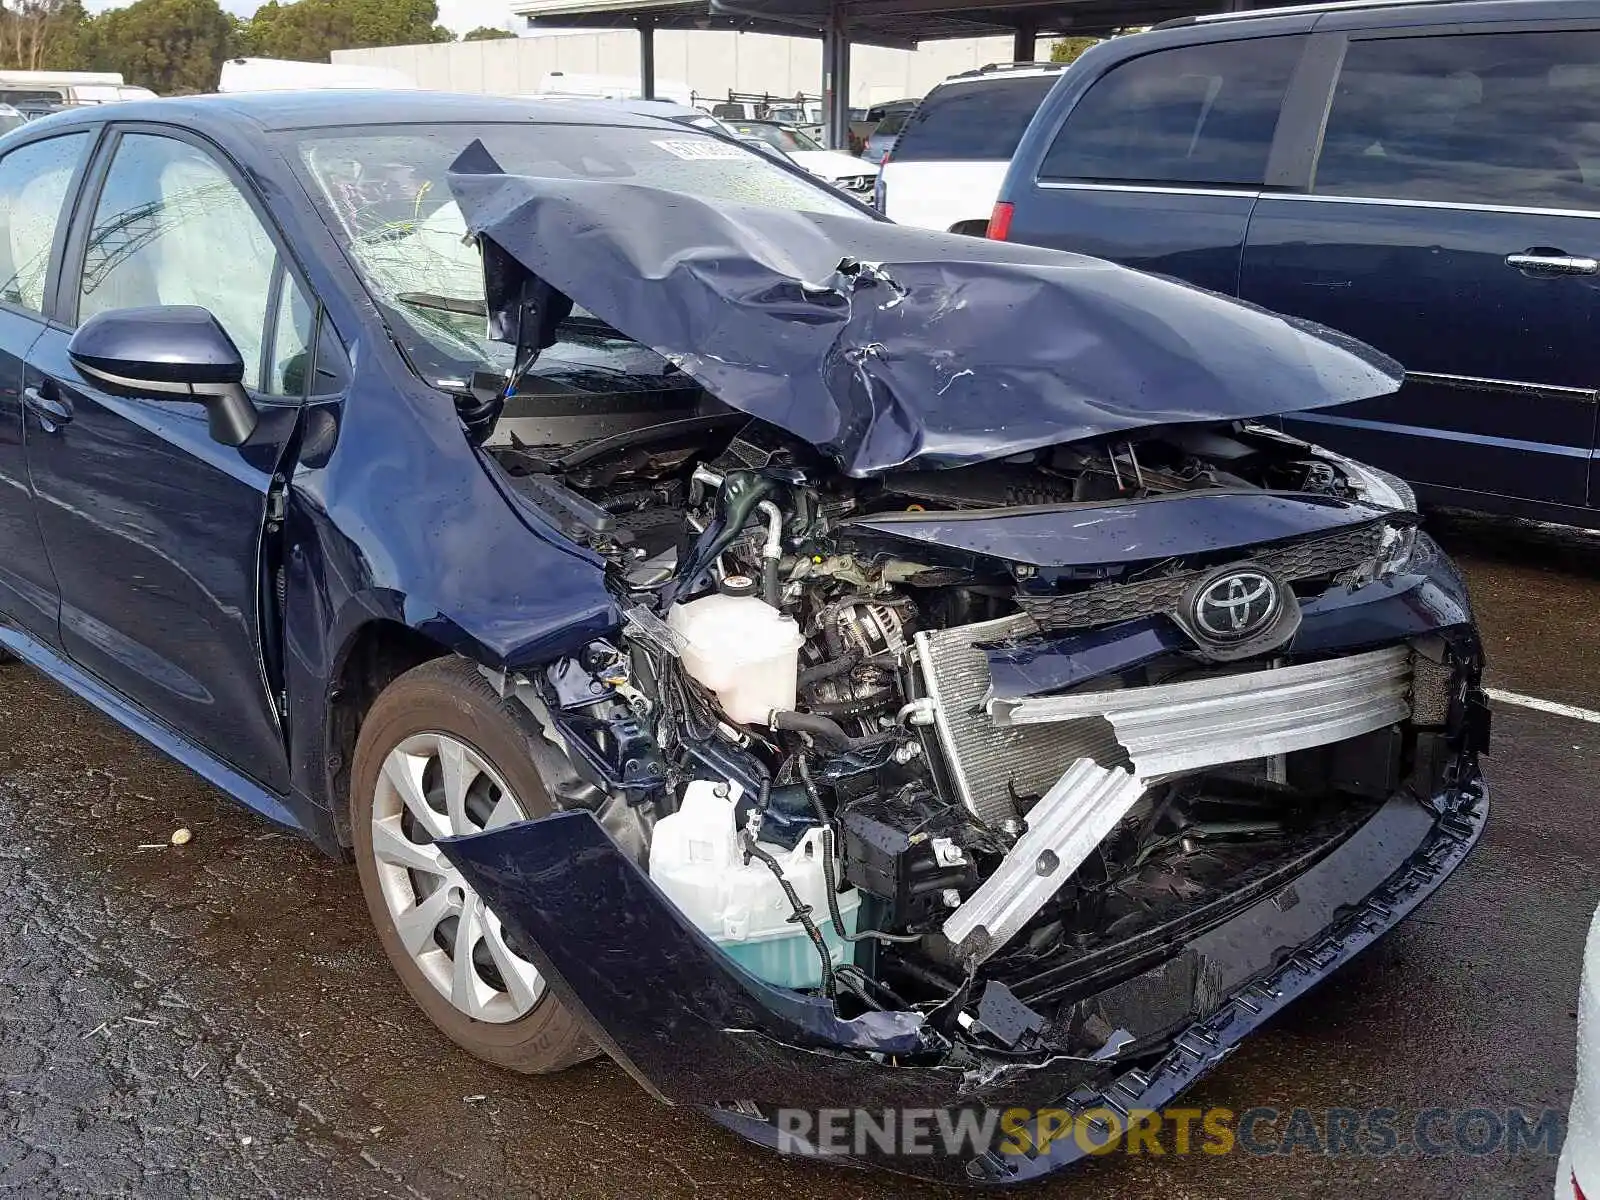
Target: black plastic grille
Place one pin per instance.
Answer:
(1107, 604)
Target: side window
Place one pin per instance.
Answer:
(170, 227)
(33, 187)
(1193, 115)
(1503, 118)
(291, 343)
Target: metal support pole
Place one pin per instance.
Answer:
(1025, 43)
(647, 59)
(836, 78)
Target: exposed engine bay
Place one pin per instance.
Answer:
(812, 733)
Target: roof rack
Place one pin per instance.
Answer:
(1002, 68)
(1293, 9)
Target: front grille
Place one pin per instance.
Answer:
(1108, 604)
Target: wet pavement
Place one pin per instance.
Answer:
(216, 1020)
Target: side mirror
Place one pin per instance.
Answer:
(173, 352)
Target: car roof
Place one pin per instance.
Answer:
(332, 108)
(1352, 14)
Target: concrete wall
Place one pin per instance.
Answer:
(709, 62)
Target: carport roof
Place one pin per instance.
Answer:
(887, 22)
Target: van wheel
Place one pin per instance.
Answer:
(440, 755)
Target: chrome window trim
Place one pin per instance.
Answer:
(1244, 191)
(1464, 206)
(1481, 383)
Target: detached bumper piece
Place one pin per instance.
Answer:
(694, 1028)
(1166, 730)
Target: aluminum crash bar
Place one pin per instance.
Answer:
(1167, 729)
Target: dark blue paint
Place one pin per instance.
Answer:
(27, 587)
(1181, 523)
(1428, 285)
(178, 343)
(1427, 597)
(199, 760)
(883, 344)
(1431, 287)
(157, 531)
(692, 1026)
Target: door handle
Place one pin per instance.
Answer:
(51, 409)
(1552, 262)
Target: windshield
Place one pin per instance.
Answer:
(787, 140)
(384, 193)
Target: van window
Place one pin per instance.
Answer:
(1194, 115)
(973, 122)
(1503, 118)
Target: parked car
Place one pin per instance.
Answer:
(842, 170)
(1578, 1172)
(1424, 177)
(880, 126)
(949, 159)
(719, 622)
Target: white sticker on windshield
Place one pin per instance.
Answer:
(699, 149)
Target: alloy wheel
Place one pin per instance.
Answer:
(435, 786)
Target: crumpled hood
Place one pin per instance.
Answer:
(883, 344)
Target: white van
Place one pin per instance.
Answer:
(289, 75)
(608, 87)
(30, 88)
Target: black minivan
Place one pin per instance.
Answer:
(1423, 177)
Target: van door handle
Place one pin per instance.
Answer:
(1551, 262)
(51, 410)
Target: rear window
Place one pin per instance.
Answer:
(1510, 119)
(894, 122)
(1198, 114)
(979, 120)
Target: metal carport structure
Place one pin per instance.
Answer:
(841, 23)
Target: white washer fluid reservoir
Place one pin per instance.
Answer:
(696, 859)
(744, 650)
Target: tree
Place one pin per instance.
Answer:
(170, 46)
(310, 30)
(486, 33)
(1066, 50)
(43, 34)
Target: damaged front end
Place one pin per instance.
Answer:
(972, 780)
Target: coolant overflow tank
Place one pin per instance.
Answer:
(744, 650)
(696, 859)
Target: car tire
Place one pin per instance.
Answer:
(444, 716)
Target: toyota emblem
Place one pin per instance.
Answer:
(1236, 605)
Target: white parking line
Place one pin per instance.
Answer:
(1544, 706)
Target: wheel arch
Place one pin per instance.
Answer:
(375, 655)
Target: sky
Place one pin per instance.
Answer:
(456, 15)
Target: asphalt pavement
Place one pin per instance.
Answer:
(216, 1019)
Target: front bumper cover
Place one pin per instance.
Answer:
(693, 1028)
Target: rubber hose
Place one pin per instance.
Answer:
(819, 727)
(831, 669)
(769, 583)
(802, 914)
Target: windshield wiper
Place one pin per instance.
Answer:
(464, 305)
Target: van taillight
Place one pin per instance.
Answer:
(1000, 222)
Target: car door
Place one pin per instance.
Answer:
(36, 179)
(154, 530)
(1158, 165)
(1453, 221)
